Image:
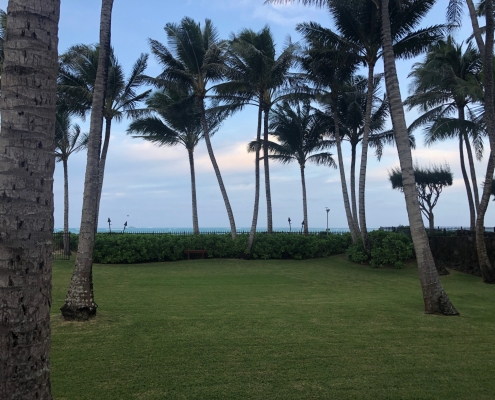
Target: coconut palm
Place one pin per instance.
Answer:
(194, 61)
(76, 83)
(26, 182)
(175, 121)
(299, 132)
(3, 28)
(79, 301)
(445, 83)
(68, 140)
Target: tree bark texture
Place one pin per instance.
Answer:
(364, 162)
(353, 188)
(476, 27)
(217, 170)
(101, 167)
(305, 204)
(193, 192)
(254, 222)
(472, 171)
(472, 211)
(79, 301)
(487, 269)
(266, 167)
(29, 85)
(350, 219)
(434, 296)
(66, 208)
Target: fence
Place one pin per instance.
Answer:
(61, 246)
(438, 231)
(223, 232)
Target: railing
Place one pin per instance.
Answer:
(61, 246)
(223, 232)
(438, 231)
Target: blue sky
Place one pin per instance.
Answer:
(150, 186)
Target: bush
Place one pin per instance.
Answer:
(387, 248)
(140, 248)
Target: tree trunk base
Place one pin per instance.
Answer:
(79, 313)
(488, 275)
(440, 305)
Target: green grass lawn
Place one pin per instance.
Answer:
(235, 329)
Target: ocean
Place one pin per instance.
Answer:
(132, 229)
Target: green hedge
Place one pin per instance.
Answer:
(141, 248)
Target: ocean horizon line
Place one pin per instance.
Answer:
(132, 229)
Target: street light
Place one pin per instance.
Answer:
(327, 209)
(290, 227)
(109, 223)
(125, 226)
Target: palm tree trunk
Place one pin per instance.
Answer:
(364, 162)
(215, 167)
(101, 167)
(486, 267)
(350, 219)
(66, 208)
(353, 188)
(79, 301)
(305, 205)
(472, 211)
(435, 298)
(476, 27)
(29, 93)
(254, 222)
(431, 220)
(193, 192)
(472, 170)
(269, 217)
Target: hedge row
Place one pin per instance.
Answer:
(141, 248)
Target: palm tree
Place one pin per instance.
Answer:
(3, 28)
(447, 82)
(299, 132)
(68, 140)
(175, 121)
(79, 301)
(358, 22)
(26, 183)
(77, 80)
(194, 61)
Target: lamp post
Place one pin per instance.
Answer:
(109, 223)
(290, 226)
(327, 209)
(125, 226)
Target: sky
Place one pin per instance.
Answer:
(149, 186)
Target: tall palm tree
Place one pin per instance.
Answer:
(174, 121)
(194, 61)
(445, 83)
(358, 26)
(68, 140)
(3, 28)
(79, 301)
(26, 183)
(299, 132)
(77, 80)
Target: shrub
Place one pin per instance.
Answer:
(140, 248)
(387, 248)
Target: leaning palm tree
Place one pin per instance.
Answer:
(68, 140)
(299, 132)
(76, 86)
(193, 61)
(174, 121)
(445, 83)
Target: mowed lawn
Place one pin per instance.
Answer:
(235, 329)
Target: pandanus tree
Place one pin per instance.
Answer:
(68, 140)
(172, 119)
(79, 301)
(358, 30)
(300, 136)
(446, 83)
(76, 86)
(193, 62)
(434, 296)
(256, 76)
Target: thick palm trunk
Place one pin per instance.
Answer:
(266, 167)
(486, 267)
(217, 170)
(472, 211)
(305, 204)
(476, 27)
(435, 298)
(79, 302)
(193, 192)
(66, 208)
(472, 171)
(101, 167)
(254, 222)
(345, 195)
(26, 205)
(353, 188)
(364, 162)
